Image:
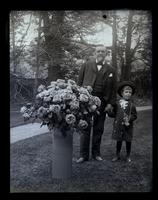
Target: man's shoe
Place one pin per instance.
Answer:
(116, 159)
(98, 158)
(81, 160)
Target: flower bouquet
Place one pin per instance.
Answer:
(63, 105)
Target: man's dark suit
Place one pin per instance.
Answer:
(103, 83)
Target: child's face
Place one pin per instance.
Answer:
(127, 93)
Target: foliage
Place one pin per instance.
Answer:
(18, 32)
(61, 44)
(64, 105)
(131, 39)
(21, 89)
(142, 80)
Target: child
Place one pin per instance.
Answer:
(125, 113)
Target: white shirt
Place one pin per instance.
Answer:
(100, 66)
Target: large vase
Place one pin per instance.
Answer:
(62, 154)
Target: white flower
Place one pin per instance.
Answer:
(60, 81)
(67, 96)
(70, 119)
(83, 90)
(69, 89)
(47, 99)
(63, 102)
(75, 88)
(90, 89)
(93, 108)
(55, 108)
(26, 115)
(83, 98)
(94, 101)
(123, 103)
(82, 124)
(46, 92)
(52, 93)
(97, 101)
(53, 83)
(23, 109)
(41, 88)
(74, 105)
(42, 111)
(71, 82)
(41, 94)
(62, 85)
(57, 98)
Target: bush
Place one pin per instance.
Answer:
(142, 80)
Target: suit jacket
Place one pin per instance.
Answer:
(88, 74)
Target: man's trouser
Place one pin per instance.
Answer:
(98, 129)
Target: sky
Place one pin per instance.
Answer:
(104, 35)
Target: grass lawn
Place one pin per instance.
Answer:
(31, 164)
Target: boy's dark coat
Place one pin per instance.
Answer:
(120, 131)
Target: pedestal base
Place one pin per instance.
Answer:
(62, 155)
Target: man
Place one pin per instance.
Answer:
(102, 78)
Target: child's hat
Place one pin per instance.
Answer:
(123, 84)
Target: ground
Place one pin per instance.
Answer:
(31, 164)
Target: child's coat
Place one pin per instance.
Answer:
(120, 131)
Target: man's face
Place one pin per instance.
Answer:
(100, 53)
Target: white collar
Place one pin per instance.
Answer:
(99, 67)
(102, 62)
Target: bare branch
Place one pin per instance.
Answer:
(137, 45)
(26, 30)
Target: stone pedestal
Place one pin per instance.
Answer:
(62, 154)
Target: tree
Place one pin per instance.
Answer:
(17, 37)
(60, 29)
(138, 32)
(114, 41)
(128, 58)
(37, 55)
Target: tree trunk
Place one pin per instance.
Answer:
(114, 44)
(13, 43)
(53, 40)
(127, 68)
(37, 57)
(122, 77)
(62, 148)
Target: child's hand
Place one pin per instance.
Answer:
(126, 120)
(127, 124)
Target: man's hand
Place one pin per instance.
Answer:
(109, 108)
